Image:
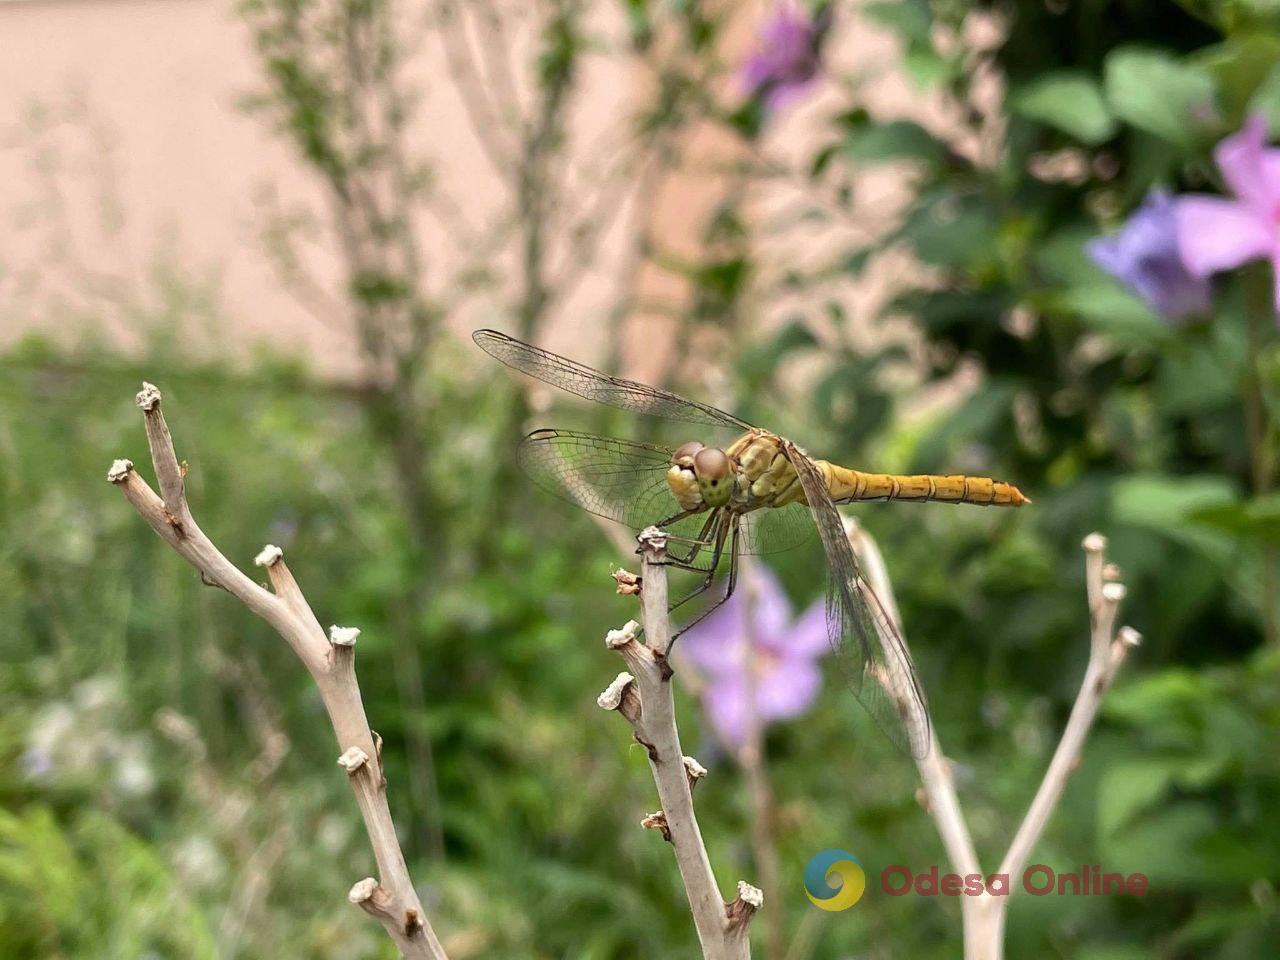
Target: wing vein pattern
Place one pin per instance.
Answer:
(578, 378)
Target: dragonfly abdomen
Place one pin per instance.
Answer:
(846, 485)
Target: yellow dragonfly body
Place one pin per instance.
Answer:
(763, 476)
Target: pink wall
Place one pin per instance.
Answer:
(132, 185)
(141, 158)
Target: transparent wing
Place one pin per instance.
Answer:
(626, 481)
(775, 529)
(875, 661)
(619, 479)
(579, 379)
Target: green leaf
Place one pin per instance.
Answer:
(1257, 519)
(1197, 377)
(909, 19)
(1129, 787)
(1155, 499)
(1113, 951)
(1157, 92)
(1175, 697)
(1060, 256)
(951, 231)
(1239, 66)
(1163, 844)
(899, 140)
(926, 68)
(1068, 101)
(1266, 100)
(1233, 16)
(1167, 505)
(1113, 310)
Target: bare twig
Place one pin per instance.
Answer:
(644, 697)
(1107, 651)
(489, 119)
(935, 769)
(984, 916)
(329, 659)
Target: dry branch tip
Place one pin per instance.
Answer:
(657, 821)
(268, 556)
(611, 698)
(362, 890)
(744, 907)
(343, 636)
(148, 398)
(694, 770)
(352, 759)
(750, 895)
(652, 539)
(629, 584)
(120, 470)
(1113, 592)
(394, 905)
(616, 639)
(1129, 637)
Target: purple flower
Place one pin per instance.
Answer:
(787, 61)
(760, 665)
(1144, 256)
(1216, 234)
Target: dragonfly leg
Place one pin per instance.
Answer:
(704, 539)
(674, 518)
(722, 531)
(733, 582)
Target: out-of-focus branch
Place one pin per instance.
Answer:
(644, 697)
(938, 785)
(751, 758)
(1108, 648)
(483, 113)
(984, 916)
(330, 659)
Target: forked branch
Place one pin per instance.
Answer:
(644, 697)
(330, 659)
(984, 916)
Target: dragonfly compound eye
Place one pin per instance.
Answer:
(686, 452)
(714, 471)
(711, 464)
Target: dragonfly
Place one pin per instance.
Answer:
(759, 494)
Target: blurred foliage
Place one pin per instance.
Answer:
(172, 789)
(1108, 417)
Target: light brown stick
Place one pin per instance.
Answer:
(330, 659)
(984, 916)
(644, 697)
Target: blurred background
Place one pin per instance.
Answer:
(915, 236)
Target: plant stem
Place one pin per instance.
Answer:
(644, 698)
(751, 758)
(1260, 315)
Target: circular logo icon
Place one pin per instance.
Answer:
(834, 880)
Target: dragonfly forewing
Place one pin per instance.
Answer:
(621, 480)
(578, 378)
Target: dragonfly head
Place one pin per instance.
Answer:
(710, 468)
